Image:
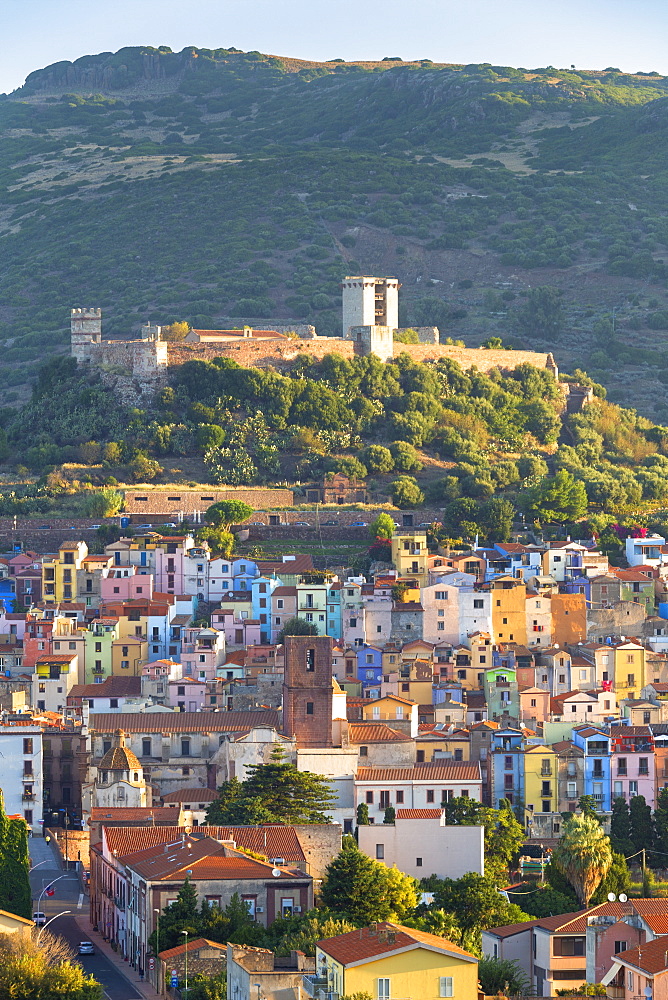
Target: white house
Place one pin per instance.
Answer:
(21, 759)
(420, 786)
(419, 842)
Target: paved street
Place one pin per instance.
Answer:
(68, 896)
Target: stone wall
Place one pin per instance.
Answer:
(623, 618)
(320, 844)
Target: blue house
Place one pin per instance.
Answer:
(597, 764)
(507, 757)
(334, 616)
(369, 666)
(262, 587)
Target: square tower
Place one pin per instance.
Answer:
(85, 329)
(307, 690)
(370, 302)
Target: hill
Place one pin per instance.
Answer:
(224, 187)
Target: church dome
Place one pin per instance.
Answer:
(119, 759)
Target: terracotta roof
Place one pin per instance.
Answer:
(183, 722)
(618, 732)
(509, 930)
(576, 923)
(192, 946)
(119, 759)
(419, 813)
(128, 840)
(205, 859)
(284, 592)
(133, 815)
(302, 563)
(375, 732)
(191, 795)
(649, 957)
(112, 687)
(422, 772)
(367, 943)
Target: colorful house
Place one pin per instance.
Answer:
(633, 763)
(388, 960)
(541, 793)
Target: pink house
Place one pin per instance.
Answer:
(188, 694)
(640, 972)
(238, 631)
(124, 584)
(534, 705)
(202, 650)
(633, 763)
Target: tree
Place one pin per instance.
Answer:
(297, 626)
(640, 816)
(620, 827)
(496, 519)
(617, 880)
(301, 932)
(502, 976)
(105, 502)
(584, 855)
(406, 493)
(365, 890)
(176, 917)
(503, 834)
(476, 904)
(15, 896)
(203, 987)
(382, 527)
(227, 512)
(587, 804)
(362, 814)
(389, 815)
(220, 541)
(175, 332)
(406, 458)
(661, 821)
(46, 972)
(276, 792)
(542, 421)
(228, 793)
(542, 315)
(378, 458)
(532, 467)
(556, 498)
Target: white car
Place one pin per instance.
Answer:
(86, 948)
(39, 918)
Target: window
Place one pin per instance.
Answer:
(383, 989)
(629, 980)
(620, 946)
(185, 748)
(27, 745)
(309, 708)
(400, 798)
(478, 604)
(430, 795)
(441, 595)
(418, 862)
(369, 798)
(380, 852)
(420, 757)
(569, 946)
(445, 986)
(621, 766)
(364, 751)
(146, 748)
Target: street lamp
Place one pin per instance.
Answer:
(48, 860)
(42, 929)
(186, 934)
(258, 987)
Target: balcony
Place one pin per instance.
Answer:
(313, 985)
(28, 777)
(28, 797)
(572, 795)
(546, 772)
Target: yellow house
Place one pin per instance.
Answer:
(388, 960)
(540, 780)
(11, 924)
(128, 656)
(509, 615)
(59, 573)
(410, 555)
(629, 668)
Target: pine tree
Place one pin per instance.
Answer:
(287, 794)
(642, 829)
(176, 917)
(356, 887)
(620, 827)
(362, 814)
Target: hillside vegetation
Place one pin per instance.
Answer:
(219, 187)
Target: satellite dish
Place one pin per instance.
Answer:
(612, 897)
(623, 897)
(276, 872)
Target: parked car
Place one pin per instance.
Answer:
(330, 524)
(39, 918)
(255, 524)
(300, 524)
(95, 527)
(169, 524)
(86, 948)
(425, 524)
(144, 527)
(359, 524)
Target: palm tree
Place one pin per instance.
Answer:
(583, 855)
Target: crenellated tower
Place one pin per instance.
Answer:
(86, 329)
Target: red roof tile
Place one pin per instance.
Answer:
(183, 722)
(190, 947)
(422, 772)
(649, 957)
(419, 813)
(367, 943)
(375, 732)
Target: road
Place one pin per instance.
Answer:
(68, 896)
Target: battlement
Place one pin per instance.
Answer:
(131, 366)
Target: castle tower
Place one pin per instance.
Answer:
(551, 366)
(370, 302)
(86, 329)
(307, 690)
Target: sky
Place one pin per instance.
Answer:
(590, 34)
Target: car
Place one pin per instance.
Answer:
(256, 524)
(329, 524)
(95, 527)
(46, 527)
(300, 524)
(359, 524)
(39, 918)
(144, 527)
(169, 524)
(425, 524)
(86, 948)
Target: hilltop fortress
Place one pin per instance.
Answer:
(138, 367)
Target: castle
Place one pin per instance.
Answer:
(137, 368)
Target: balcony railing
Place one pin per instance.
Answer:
(312, 985)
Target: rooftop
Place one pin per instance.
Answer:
(368, 943)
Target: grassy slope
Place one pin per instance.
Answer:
(224, 187)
